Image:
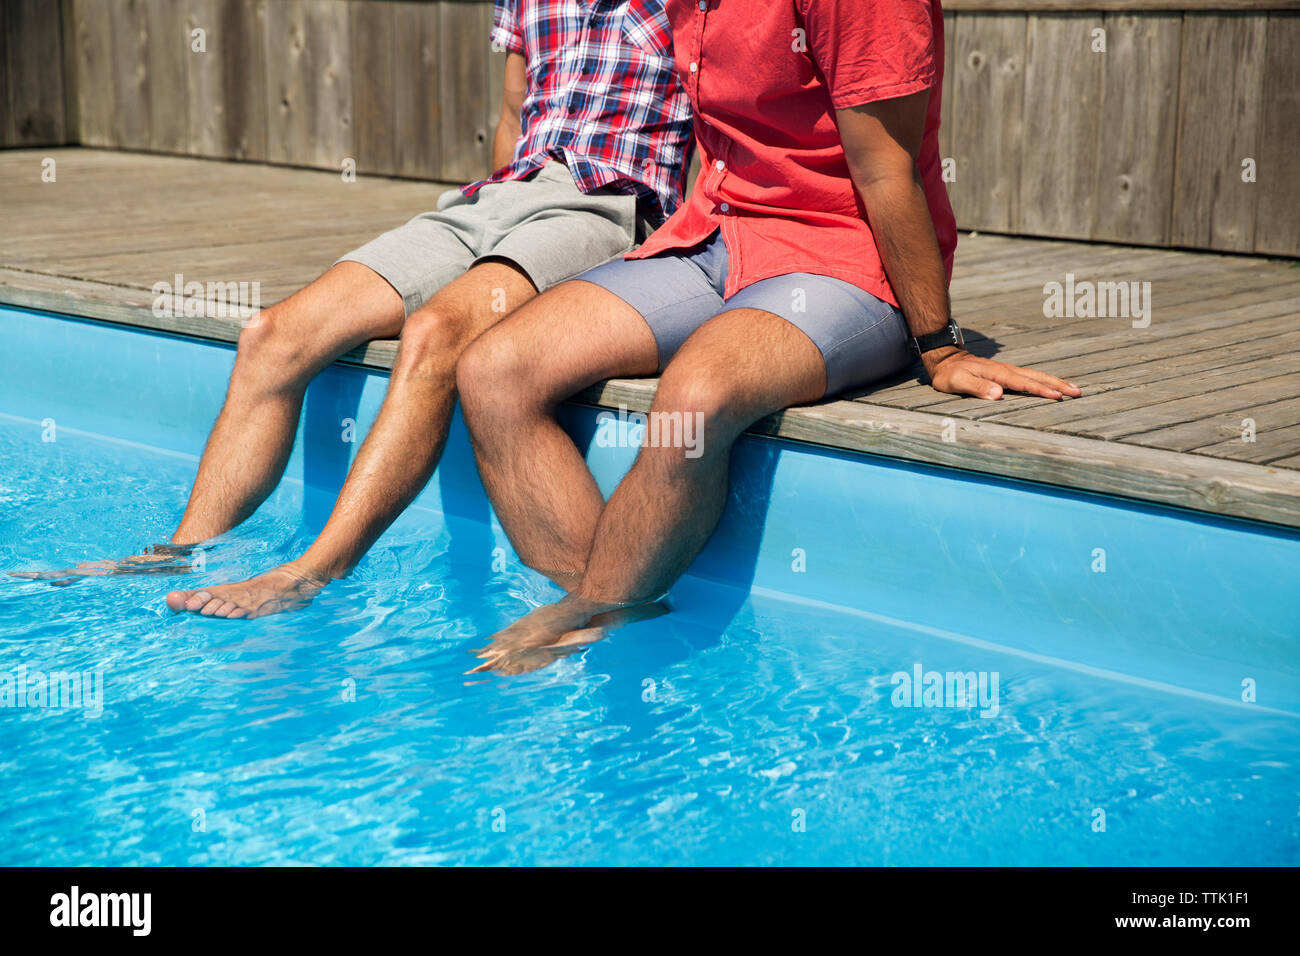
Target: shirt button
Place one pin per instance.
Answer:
(725, 208)
(719, 165)
(695, 68)
(704, 4)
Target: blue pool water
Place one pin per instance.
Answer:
(755, 724)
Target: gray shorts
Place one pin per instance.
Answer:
(861, 337)
(545, 225)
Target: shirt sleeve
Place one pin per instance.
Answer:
(506, 33)
(871, 51)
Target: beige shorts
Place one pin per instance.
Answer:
(544, 224)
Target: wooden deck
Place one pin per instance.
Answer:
(1162, 419)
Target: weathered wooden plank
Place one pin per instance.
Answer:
(168, 58)
(1133, 423)
(33, 84)
(68, 42)
(8, 131)
(1094, 374)
(309, 83)
(95, 91)
(1139, 90)
(1087, 413)
(416, 115)
(1274, 421)
(1220, 108)
(1272, 441)
(988, 132)
(226, 91)
(129, 74)
(496, 64)
(1277, 224)
(373, 86)
(463, 51)
(950, 29)
(1062, 125)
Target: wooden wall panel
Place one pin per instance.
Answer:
(309, 83)
(128, 74)
(416, 94)
(1058, 171)
(988, 66)
(1277, 222)
(1138, 126)
(373, 86)
(1220, 110)
(463, 77)
(8, 130)
(168, 56)
(31, 59)
(226, 91)
(96, 96)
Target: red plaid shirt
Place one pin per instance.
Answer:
(602, 96)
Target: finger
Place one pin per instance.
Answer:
(966, 382)
(1009, 377)
(1032, 381)
(1051, 381)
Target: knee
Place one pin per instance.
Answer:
(267, 352)
(492, 368)
(432, 340)
(692, 418)
(708, 398)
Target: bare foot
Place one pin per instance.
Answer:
(285, 588)
(158, 559)
(558, 630)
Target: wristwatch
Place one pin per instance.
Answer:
(950, 334)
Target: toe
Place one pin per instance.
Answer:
(225, 609)
(197, 600)
(211, 607)
(176, 600)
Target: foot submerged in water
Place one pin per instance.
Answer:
(558, 630)
(157, 559)
(285, 588)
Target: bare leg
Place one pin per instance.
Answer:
(280, 352)
(390, 468)
(511, 381)
(737, 368)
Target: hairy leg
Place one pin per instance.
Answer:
(280, 352)
(735, 369)
(511, 381)
(400, 451)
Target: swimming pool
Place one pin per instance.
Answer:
(764, 721)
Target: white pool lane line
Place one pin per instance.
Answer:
(1088, 669)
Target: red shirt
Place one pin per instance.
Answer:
(765, 79)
